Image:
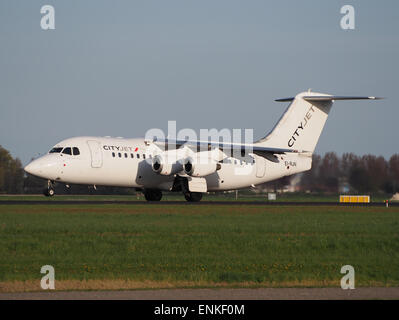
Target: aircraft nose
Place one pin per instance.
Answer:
(33, 168)
(46, 167)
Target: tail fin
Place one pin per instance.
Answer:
(301, 125)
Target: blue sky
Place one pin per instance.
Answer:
(119, 68)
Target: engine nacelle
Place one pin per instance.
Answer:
(196, 169)
(165, 168)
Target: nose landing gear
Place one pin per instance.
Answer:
(49, 191)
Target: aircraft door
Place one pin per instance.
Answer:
(96, 153)
(260, 167)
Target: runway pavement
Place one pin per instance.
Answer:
(213, 294)
(219, 203)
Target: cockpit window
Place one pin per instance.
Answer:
(56, 150)
(76, 151)
(67, 151)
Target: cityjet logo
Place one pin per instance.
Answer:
(119, 148)
(301, 127)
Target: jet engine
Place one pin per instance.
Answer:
(198, 169)
(165, 168)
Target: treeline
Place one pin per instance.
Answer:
(11, 173)
(330, 173)
(352, 173)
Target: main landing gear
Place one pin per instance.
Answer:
(181, 184)
(49, 191)
(153, 195)
(156, 195)
(193, 196)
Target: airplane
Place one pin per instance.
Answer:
(192, 167)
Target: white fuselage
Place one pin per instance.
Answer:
(122, 162)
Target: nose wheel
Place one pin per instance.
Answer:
(49, 191)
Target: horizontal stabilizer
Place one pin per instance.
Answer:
(329, 98)
(285, 99)
(332, 98)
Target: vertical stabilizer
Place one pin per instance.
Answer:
(301, 125)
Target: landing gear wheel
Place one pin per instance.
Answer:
(153, 195)
(193, 196)
(49, 192)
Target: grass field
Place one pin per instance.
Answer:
(150, 246)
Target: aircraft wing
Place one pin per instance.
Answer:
(265, 152)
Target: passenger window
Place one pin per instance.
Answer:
(125, 155)
(119, 155)
(113, 154)
(132, 155)
(138, 156)
(67, 151)
(143, 156)
(76, 151)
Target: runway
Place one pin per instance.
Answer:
(214, 294)
(201, 203)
